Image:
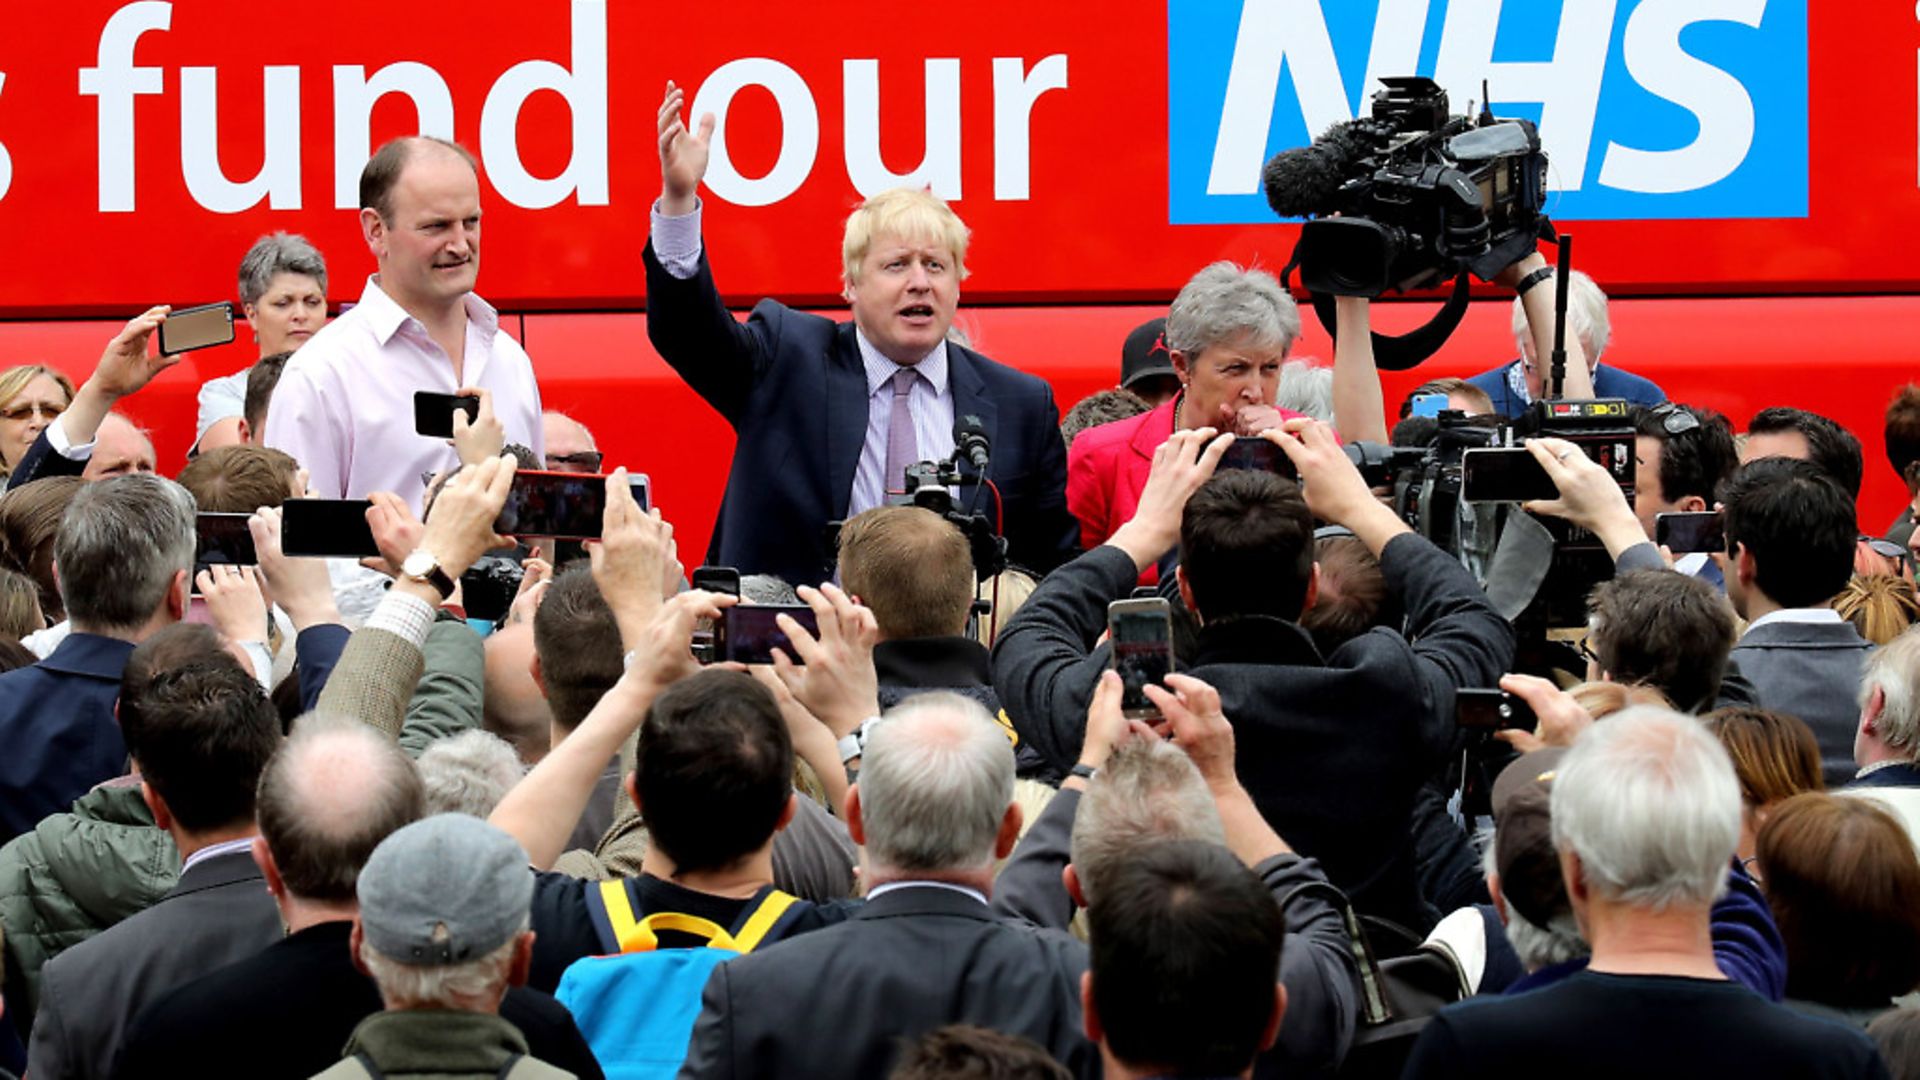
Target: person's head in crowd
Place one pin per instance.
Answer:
(1843, 881)
(31, 397)
(120, 448)
(1228, 331)
(468, 773)
(1668, 631)
(262, 377)
(912, 568)
(165, 649)
(1897, 1034)
(577, 652)
(714, 777)
(1797, 433)
(1006, 591)
(1903, 437)
(570, 447)
(903, 257)
(1587, 321)
(1183, 949)
(1523, 867)
(420, 216)
(1352, 596)
(1103, 407)
(1646, 817)
(200, 734)
(123, 556)
(1790, 536)
(767, 590)
(1148, 791)
(1146, 366)
(1462, 396)
(1874, 557)
(1890, 703)
(335, 789)
(444, 908)
(1774, 757)
(1247, 548)
(30, 518)
(1306, 388)
(1603, 699)
(1880, 606)
(966, 1052)
(512, 705)
(20, 612)
(14, 655)
(1682, 455)
(240, 479)
(935, 794)
(283, 290)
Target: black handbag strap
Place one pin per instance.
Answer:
(1374, 1008)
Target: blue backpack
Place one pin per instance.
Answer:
(636, 1006)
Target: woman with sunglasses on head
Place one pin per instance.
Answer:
(31, 397)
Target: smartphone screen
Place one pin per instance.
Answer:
(196, 328)
(1253, 452)
(748, 634)
(223, 538)
(566, 506)
(1491, 710)
(327, 528)
(433, 413)
(1690, 531)
(1507, 474)
(1141, 633)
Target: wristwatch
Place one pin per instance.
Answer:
(1539, 275)
(1083, 770)
(854, 743)
(424, 567)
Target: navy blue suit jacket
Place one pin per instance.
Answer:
(795, 390)
(58, 735)
(40, 461)
(1608, 382)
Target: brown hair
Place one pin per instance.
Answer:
(1880, 606)
(20, 613)
(1844, 885)
(1774, 755)
(911, 567)
(1670, 631)
(1482, 404)
(29, 519)
(384, 168)
(1903, 436)
(1352, 592)
(239, 479)
(578, 645)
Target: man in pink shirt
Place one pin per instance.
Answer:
(344, 406)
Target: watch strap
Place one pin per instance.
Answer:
(1535, 278)
(1083, 770)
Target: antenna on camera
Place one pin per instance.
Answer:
(1562, 273)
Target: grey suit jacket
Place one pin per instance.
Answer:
(1811, 670)
(219, 913)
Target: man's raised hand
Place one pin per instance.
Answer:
(683, 155)
(835, 680)
(627, 560)
(1180, 466)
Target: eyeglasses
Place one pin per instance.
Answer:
(1585, 645)
(1675, 419)
(45, 409)
(580, 461)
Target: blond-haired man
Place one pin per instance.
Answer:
(828, 415)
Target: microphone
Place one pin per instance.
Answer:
(1302, 182)
(970, 440)
(1416, 431)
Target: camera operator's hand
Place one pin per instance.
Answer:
(235, 604)
(1589, 495)
(1107, 725)
(460, 529)
(302, 587)
(835, 680)
(1560, 718)
(1334, 488)
(683, 155)
(124, 368)
(628, 559)
(1183, 463)
(486, 437)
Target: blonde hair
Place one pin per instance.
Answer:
(1880, 606)
(1007, 592)
(1603, 699)
(906, 213)
(14, 380)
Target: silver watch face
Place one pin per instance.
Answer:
(419, 564)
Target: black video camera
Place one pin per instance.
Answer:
(929, 485)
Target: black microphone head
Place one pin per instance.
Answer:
(968, 425)
(1301, 182)
(1416, 431)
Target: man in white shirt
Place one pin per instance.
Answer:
(344, 407)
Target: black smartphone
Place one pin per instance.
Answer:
(222, 538)
(1690, 531)
(748, 634)
(1491, 710)
(186, 329)
(713, 579)
(433, 413)
(1141, 633)
(1504, 474)
(566, 506)
(1253, 452)
(327, 528)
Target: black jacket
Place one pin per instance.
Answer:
(1332, 749)
(794, 389)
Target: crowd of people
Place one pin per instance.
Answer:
(293, 816)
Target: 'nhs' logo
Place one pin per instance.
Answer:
(1647, 108)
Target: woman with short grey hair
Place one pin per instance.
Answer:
(283, 293)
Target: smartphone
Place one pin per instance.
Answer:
(748, 634)
(1429, 404)
(1141, 632)
(566, 506)
(1491, 710)
(713, 579)
(185, 329)
(1253, 452)
(1506, 474)
(327, 528)
(1689, 531)
(642, 488)
(433, 413)
(222, 538)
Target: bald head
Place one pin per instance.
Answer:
(514, 708)
(119, 448)
(569, 445)
(335, 789)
